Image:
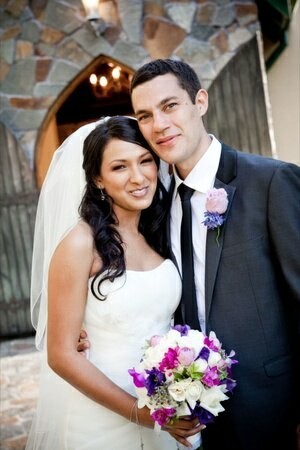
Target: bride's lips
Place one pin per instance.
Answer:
(167, 140)
(140, 192)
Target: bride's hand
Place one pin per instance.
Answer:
(181, 429)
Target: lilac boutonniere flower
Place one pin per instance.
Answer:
(216, 205)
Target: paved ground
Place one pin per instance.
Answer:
(19, 370)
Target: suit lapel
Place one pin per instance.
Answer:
(226, 172)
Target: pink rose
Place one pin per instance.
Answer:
(155, 340)
(186, 356)
(216, 200)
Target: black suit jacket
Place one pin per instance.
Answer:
(252, 295)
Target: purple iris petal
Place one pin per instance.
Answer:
(230, 384)
(213, 220)
(154, 379)
(204, 354)
(138, 378)
(203, 415)
(182, 329)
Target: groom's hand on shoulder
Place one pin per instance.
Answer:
(83, 342)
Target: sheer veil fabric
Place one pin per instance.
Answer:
(57, 213)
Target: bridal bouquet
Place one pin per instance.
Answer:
(183, 373)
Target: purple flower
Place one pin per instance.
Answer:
(203, 415)
(154, 379)
(213, 220)
(230, 384)
(170, 361)
(204, 353)
(138, 378)
(163, 415)
(211, 377)
(210, 344)
(182, 329)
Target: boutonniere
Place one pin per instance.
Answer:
(216, 205)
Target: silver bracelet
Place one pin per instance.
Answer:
(135, 408)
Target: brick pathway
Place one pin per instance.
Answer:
(19, 374)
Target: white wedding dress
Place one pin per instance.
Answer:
(138, 305)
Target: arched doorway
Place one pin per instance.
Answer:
(101, 89)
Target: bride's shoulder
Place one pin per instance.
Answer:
(79, 238)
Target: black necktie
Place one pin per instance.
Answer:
(188, 297)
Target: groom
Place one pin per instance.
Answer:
(247, 277)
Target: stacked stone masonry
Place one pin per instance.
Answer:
(47, 44)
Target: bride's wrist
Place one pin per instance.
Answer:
(140, 416)
(133, 417)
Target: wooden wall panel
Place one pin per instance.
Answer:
(237, 112)
(18, 199)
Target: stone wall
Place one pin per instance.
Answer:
(46, 44)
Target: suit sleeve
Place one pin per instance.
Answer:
(284, 225)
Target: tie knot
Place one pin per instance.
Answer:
(185, 192)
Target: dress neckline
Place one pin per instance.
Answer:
(143, 271)
(149, 270)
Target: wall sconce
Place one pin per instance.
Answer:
(96, 23)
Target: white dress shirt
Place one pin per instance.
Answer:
(201, 179)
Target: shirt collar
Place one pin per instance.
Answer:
(202, 176)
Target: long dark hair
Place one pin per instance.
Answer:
(99, 214)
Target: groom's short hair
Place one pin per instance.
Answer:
(186, 76)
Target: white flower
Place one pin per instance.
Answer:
(211, 398)
(200, 365)
(172, 337)
(193, 393)
(187, 389)
(143, 398)
(183, 410)
(152, 356)
(214, 358)
(194, 340)
(178, 389)
(212, 336)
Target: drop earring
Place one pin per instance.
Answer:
(102, 195)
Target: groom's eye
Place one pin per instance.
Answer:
(171, 105)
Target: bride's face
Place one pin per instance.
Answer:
(128, 175)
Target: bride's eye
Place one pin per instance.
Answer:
(147, 160)
(119, 167)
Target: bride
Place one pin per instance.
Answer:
(104, 269)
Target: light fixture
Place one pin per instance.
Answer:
(109, 80)
(116, 72)
(103, 81)
(96, 23)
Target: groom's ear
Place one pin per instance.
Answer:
(201, 101)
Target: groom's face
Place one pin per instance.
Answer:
(169, 121)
